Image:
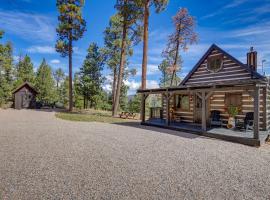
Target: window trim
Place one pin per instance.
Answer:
(209, 59)
(181, 109)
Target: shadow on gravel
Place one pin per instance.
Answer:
(160, 130)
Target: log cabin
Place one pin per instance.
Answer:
(217, 83)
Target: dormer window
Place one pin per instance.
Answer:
(215, 63)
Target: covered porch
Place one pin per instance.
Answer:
(166, 116)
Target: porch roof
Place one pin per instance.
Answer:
(219, 85)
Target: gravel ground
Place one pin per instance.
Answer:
(42, 157)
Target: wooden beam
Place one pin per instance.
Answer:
(143, 107)
(209, 94)
(256, 112)
(167, 109)
(265, 124)
(203, 111)
(198, 94)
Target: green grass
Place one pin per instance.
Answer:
(91, 116)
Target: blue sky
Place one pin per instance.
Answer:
(233, 25)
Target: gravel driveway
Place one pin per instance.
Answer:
(42, 157)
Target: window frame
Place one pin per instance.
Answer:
(211, 58)
(177, 99)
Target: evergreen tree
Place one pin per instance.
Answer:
(45, 84)
(112, 50)
(183, 36)
(59, 77)
(134, 104)
(78, 98)
(91, 75)
(6, 71)
(71, 28)
(160, 5)
(25, 71)
(130, 12)
(165, 76)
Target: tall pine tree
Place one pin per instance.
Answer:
(45, 84)
(131, 13)
(25, 71)
(6, 71)
(91, 75)
(71, 28)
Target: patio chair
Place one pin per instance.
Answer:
(248, 122)
(215, 119)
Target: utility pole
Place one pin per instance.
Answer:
(263, 61)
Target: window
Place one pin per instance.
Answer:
(215, 63)
(233, 99)
(182, 102)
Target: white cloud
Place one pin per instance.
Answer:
(107, 87)
(55, 61)
(41, 49)
(231, 5)
(235, 3)
(16, 58)
(28, 26)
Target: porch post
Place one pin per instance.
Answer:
(144, 96)
(167, 109)
(203, 111)
(265, 109)
(256, 112)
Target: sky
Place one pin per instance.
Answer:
(234, 26)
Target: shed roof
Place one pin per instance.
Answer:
(25, 84)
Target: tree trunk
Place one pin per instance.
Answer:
(114, 86)
(145, 42)
(84, 102)
(176, 54)
(121, 69)
(70, 73)
(145, 48)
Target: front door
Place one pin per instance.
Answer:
(198, 109)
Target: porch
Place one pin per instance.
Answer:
(232, 135)
(254, 100)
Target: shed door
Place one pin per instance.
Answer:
(26, 100)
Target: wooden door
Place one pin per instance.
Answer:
(26, 100)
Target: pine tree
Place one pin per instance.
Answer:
(71, 28)
(91, 75)
(25, 71)
(134, 105)
(59, 75)
(159, 5)
(6, 71)
(130, 12)
(45, 84)
(183, 36)
(112, 49)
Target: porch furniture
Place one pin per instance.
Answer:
(215, 119)
(126, 115)
(156, 113)
(247, 123)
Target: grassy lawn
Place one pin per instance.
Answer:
(91, 116)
